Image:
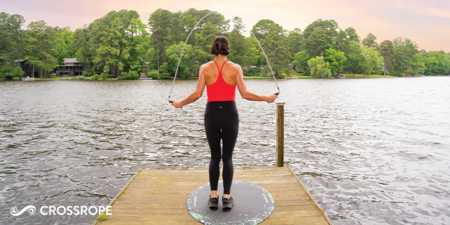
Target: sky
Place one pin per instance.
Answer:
(425, 22)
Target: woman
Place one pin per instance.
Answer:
(221, 116)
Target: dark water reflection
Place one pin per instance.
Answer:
(371, 151)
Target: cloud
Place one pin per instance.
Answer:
(387, 19)
(429, 11)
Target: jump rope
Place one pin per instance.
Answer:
(179, 60)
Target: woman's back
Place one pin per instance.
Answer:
(220, 79)
(211, 72)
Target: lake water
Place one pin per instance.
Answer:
(370, 151)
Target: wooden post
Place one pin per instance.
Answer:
(280, 134)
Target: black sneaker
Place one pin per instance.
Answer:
(213, 203)
(227, 203)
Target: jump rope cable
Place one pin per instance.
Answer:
(179, 60)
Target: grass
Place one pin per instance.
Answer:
(303, 76)
(368, 76)
(102, 217)
(57, 78)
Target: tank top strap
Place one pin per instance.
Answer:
(223, 65)
(220, 70)
(217, 65)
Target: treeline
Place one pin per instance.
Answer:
(121, 45)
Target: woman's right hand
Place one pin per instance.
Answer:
(271, 98)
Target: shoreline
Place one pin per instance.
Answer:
(253, 77)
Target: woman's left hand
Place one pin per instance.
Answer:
(177, 104)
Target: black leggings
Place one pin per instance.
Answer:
(221, 122)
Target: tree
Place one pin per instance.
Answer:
(204, 39)
(80, 49)
(318, 67)
(373, 61)
(341, 41)
(262, 28)
(254, 55)
(274, 45)
(16, 33)
(317, 43)
(369, 41)
(437, 63)
(62, 45)
(355, 58)
(295, 40)
(110, 53)
(352, 35)
(186, 68)
(418, 64)
(238, 45)
(335, 59)
(40, 46)
(404, 51)
(139, 43)
(5, 46)
(388, 52)
(159, 24)
(301, 61)
(329, 27)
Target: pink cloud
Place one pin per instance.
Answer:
(386, 19)
(429, 11)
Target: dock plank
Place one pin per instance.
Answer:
(158, 196)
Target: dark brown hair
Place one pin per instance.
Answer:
(220, 45)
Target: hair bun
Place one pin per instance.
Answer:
(220, 45)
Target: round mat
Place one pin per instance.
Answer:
(252, 204)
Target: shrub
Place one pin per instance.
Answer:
(164, 76)
(10, 71)
(87, 73)
(95, 77)
(153, 74)
(104, 76)
(131, 75)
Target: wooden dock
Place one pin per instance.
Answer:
(158, 196)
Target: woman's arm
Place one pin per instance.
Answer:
(247, 94)
(196, 94)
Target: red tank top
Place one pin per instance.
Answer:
(220, 90)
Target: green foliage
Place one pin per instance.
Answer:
(295, 41)
(372, 62)
(404, 50)
(437, 63)
(132, 75)
(335, 59)
(318, 67)
(355, 57)
(387, 51)
(318, 42)
(301, 60)
(95, 77)
(239, 47)
(153, 74)
(352, 35)
(104, 76)
(261, 28)
(187, 68)
(277, 52)
(370, 41)
(102, 217)
(9, 71)
(62, 45)
(121, 45)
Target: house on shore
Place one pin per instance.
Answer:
(71, 67)
(27, 68)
